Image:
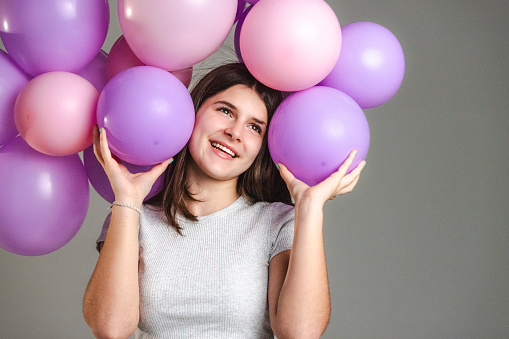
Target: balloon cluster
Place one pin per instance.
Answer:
(56, 83)
(335, 72)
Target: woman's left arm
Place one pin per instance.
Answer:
(299, 299)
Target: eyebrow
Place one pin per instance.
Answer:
(233, 107)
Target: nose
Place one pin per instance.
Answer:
(234, 131)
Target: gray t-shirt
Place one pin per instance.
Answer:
(211, 282)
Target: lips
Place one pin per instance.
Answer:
(224, 149)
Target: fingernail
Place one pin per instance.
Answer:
(277, 166)
(171, 161)
(100, 130)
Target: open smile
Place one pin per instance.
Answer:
(223, 149)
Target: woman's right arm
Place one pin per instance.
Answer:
(111, 300)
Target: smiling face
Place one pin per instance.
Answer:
(228, 134)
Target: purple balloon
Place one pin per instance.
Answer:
(313, 131)
(371, 65)
(12, 81)
(148, 115)
(53, 35)
(238, 28)
(241, 4)
(95, 71)
(101, 183)
(43, 200)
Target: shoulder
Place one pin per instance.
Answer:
(276, 212)
(273, 207)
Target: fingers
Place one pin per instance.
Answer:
(105, 150)
(347, 163)
(96, 142)
(349, 181)
(159, 169)
(285, 173)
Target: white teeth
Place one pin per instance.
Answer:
(224, 149)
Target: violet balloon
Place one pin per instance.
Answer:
(241, 5)
(12, 81)
(53, 35)
(371, 65)
(238, 29)
(95, 71)
(313, 132)
(101, 183)
(43, 200)
(148, 115)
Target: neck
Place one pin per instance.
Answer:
(212, 195)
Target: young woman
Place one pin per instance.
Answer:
(222, 252)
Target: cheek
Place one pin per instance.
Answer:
(254, 145)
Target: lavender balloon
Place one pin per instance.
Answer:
(12, 81)
(313, 132)
(43, 199)
(53, 35)
(148, 115)
(101, 183)
(371, 65)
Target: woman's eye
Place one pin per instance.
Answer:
(225, 110)
(256, 128)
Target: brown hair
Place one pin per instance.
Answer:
(261, 182)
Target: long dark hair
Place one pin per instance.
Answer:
(261, 182)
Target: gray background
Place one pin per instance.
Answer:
(421, 248)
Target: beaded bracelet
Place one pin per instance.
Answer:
(118, 203)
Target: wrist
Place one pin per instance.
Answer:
(130, 200)
(125, 205)
(309, 203)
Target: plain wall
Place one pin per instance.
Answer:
(420, 249)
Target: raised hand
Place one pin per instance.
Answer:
(128, 187)
(336, 184)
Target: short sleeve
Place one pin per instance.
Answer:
(282, 230)
(104, 231)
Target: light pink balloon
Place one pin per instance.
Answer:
(55, 113)
(175, 34)
(290, 45)
(121, 57)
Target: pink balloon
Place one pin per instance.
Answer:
(12, 81)
(371, 65)
(101, 183)
(175, 34)
(184, 75)
(95, 71)
(43, 199)
(313, 131)
(122, 57)
(55, 113)
(290, 45)
(53, 35)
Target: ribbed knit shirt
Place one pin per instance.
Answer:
(212, 281)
